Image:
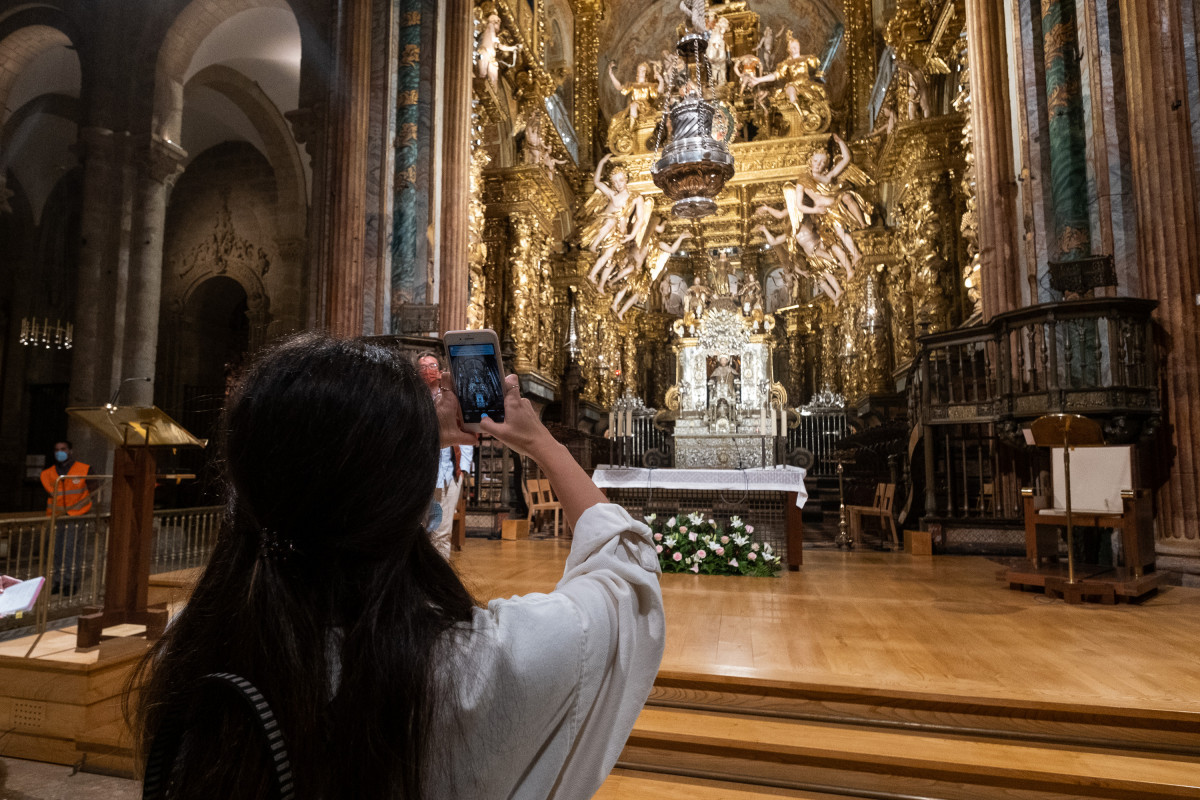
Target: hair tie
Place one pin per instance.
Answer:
(273, 546)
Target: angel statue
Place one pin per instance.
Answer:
(617, 215)
(841, 208)
(695, 11)
(696, 298)
(653, 249)
(486, 55)
(798, 76)
(820, 261)
(642, 92)
(637, 287)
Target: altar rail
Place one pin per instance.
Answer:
(819, 432)
(183, 538)
(976, 386)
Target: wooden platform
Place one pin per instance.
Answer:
(1099, 584)
(865, 674)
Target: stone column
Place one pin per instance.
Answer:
(161, 163)
(455, 169)
(995, 174)
(1168, 226)
(340, 264)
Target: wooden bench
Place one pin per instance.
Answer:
(880, 508)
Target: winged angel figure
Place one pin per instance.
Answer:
(617, 218)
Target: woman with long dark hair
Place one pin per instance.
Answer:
(324, 592)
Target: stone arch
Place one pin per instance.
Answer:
(21, 46)
(282, 152)
(189, 29)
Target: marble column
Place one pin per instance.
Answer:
(160, 164)
(341, 250)
(1168, 226)
(455, 169)
(1068, 147)
(995, 174)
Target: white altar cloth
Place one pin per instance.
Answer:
(771, 479)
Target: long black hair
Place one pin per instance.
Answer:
(330, 457)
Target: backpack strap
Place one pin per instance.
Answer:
(164, 748)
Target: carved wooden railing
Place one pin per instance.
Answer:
(975, 388)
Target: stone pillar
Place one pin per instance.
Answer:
(1168, 227)
(95, 360)
(995, 174)
(455, 169)
(340, 265)
(161, 163)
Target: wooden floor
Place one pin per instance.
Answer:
(891, 621)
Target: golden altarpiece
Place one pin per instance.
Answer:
(844, 295)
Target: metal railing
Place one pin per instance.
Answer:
(819, 433)
(70, 552)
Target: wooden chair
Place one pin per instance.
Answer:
(540, 498)
(881, 508)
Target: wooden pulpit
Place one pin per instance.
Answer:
(137, 434)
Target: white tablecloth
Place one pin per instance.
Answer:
(771, 479)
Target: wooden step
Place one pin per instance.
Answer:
(1065, 724)
(747, 749)
(625, 784)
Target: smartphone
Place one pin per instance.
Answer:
(477, 373)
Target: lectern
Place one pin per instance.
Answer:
(136, 432)
(1067, 431)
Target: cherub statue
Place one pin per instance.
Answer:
(821, 261)
(486, 55)
(617, 216)
(695, 11)
(766, 47)
(825, 195)
(654, 250)
(718, 52)
(642, 92)
(750, 291)
(696, 298)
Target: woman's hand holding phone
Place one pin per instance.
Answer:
(521, 429)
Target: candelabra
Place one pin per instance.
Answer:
(53, 336)
(843, 536)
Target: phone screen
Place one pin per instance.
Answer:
(477, 381)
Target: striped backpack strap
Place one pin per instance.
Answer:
(160, 760)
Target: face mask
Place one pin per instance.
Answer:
(61, 455)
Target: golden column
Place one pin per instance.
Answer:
(1168, 241)
(995, 175)
(587, 74)
(340, 258)
(860, 52)
(455, 169)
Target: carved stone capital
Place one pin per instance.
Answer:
(163, 161)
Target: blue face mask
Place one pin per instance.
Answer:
(61, 455)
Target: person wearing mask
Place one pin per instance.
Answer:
(73, 499)
(454, 463)
(325, 596)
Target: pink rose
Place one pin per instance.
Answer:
(753, 556)
(691, 537)
(749, 529)
(678, 556)
(658, 548)
(658, 537)
(754, 546)
(720, 551)
(724, 540)
(700, 554)
(683, 528)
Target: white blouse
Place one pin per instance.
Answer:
(548, 686)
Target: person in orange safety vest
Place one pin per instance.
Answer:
(73, 499)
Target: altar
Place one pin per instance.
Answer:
(769, 499)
